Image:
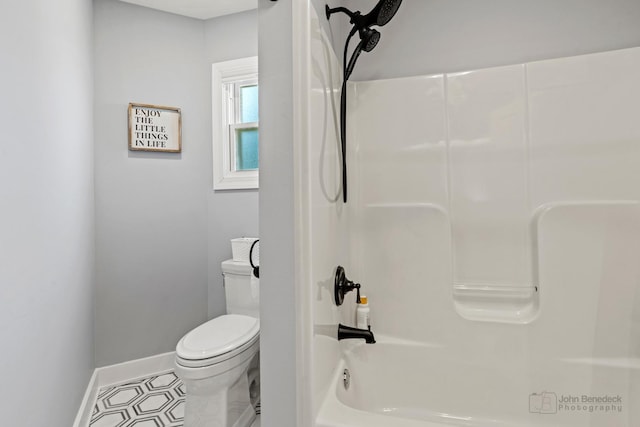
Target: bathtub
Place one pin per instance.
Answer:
(387, 390)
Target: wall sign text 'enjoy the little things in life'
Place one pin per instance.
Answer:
(155, 128)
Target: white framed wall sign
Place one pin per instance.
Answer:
(155, 128)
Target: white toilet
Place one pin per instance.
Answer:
(219, 360)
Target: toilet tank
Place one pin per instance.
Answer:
(241, 289)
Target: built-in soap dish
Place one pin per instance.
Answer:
(503, 304)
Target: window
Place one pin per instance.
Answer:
(235, 124)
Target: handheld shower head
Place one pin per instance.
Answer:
(369, 39)
(380, 15)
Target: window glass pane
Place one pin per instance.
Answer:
(249, 104)
(247, 149)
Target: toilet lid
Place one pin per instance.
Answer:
(218, 336)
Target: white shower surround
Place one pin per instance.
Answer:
(468, 191)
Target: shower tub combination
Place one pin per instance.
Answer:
(495, 229)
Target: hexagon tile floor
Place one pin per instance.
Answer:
(157, 401)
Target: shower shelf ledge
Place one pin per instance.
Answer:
(494, 303)
(409, 205)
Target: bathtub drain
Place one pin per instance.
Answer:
(346, 379)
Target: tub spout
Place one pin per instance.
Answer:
(347, 332)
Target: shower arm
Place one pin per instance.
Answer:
(352, 15)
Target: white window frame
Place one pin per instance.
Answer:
(225, 177)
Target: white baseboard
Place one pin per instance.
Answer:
(118, 374)
(135, 369)
(84, 413)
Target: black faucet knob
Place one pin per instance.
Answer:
(342, 286)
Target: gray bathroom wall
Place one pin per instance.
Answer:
(151, 208)
(278, 320)
(435, 36)
(46, 214)
(161, 230)
(230, 213)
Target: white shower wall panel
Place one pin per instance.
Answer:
(488, 192)
(585, 127)
(397, 132)
(488, 150)
(416, 238)
(589, 269)
(398, 184)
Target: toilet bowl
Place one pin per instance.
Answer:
(219, 360)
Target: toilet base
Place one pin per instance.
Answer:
(217, 402)
(226, 408)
